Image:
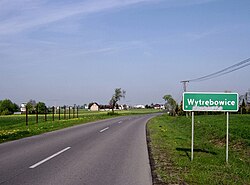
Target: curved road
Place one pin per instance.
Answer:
(107, 152)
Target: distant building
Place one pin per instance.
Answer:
(94, 106)
(23, 107)
(125, 107)
(159, 106)
(105, 107)
(121, 107)
(139, 106)
(98, 107)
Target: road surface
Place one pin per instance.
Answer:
(107, 152)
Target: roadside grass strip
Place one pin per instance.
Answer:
(171, 149)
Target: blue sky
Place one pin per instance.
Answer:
(67, 52)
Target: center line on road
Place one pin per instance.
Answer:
(104, 129)
(48, 158)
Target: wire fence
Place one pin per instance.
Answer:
(52, 114)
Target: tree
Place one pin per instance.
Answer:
(41, 107)
(170, 104)
(181, 112)
(119, 93)
(248, 109)
(243, 107)
(31, 105)
(177, 109)
(7, 107)
(15, 108)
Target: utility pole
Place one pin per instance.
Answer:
(185, 85)
(185, 90)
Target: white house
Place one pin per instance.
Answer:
(94, 107)
(159, 106)
(139, 106)
(23, 107)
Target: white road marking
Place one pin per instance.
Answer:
(104, 129)
(48, 158)
(120, 122)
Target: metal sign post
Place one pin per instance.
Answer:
(214, 102)
(227, 137)
(192, 144)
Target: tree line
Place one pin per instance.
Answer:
(32, 107)
(7, 107)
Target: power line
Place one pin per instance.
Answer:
(227, 70)
(232, 70)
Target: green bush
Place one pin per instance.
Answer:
(6, 112)
(7, 107)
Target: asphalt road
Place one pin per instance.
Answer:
(108, 152)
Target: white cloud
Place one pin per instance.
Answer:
(20, 15)
(188, 2)
(17, 15)
(204, 34)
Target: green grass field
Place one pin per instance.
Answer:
(14, 126)
(171, 143)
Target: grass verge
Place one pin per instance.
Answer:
(170, 142)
